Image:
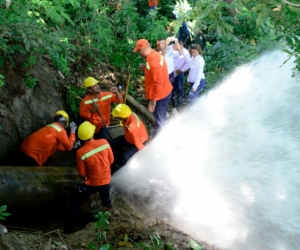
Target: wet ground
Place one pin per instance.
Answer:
(124, 231)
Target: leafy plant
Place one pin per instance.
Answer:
(101, 225)
(1, 82)
(3, 214)
(74, 96)
(195, 245)
(156, 244)
(30, 81)
(30, 62)
(93, 246)
(126, 242)
(102, 221)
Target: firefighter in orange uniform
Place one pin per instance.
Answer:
(158, 87)
(134, 138)
(40, 145)
(95, 107)
(152, 4)
(93, 160)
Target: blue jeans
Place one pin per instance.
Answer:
(171, 78)
(177, 93)
(160, 113)
(193, 95)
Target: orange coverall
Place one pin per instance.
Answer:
(152, 3)
(135, 131)
(157, 83)
(43, 143)
(104, 102)
(93, 161)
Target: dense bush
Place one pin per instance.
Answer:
(80, 33)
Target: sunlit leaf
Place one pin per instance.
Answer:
(91, 246)
(195, 245)
(261, 17)
(106, 247)
(258, 8)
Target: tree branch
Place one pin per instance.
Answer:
(292, 4)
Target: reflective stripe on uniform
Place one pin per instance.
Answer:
(138, 121)
(96, 99)
(94, 151)
(106, 97)
(161, 63)
(91, 101)
(161, 60)
(147, 66)
(54, 126)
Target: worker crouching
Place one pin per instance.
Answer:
(40, 145)
(93, 160)
(134, 138)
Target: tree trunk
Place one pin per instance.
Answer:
(139, 108)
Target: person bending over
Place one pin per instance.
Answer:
(134, 138)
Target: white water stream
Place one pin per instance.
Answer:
(227, 170)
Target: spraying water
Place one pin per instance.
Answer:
(227, 170)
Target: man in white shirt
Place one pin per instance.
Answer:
(162, 47)
(182, 59)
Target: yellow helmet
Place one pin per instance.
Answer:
(86, 130)
(89, 82)
(121, 111)
(64, 114)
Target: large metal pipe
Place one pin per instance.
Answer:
(25, 187)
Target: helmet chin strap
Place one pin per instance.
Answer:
(61, 120)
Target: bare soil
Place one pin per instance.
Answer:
(125, 230)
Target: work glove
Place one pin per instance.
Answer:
(76, 144)
(73, 127)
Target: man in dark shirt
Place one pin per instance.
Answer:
(199, 38)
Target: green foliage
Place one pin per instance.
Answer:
(195, 245)
(106, 247)
(30, 81)
(78, 34)
(102, 221)
(3, 214)
(129, 27)
(62, 29)
(30, 62)
(1, 82)
(101, 225)
(156, 244)
(93, 246)
(74, 96)
(246, 44)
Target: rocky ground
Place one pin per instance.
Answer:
(124, 231)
